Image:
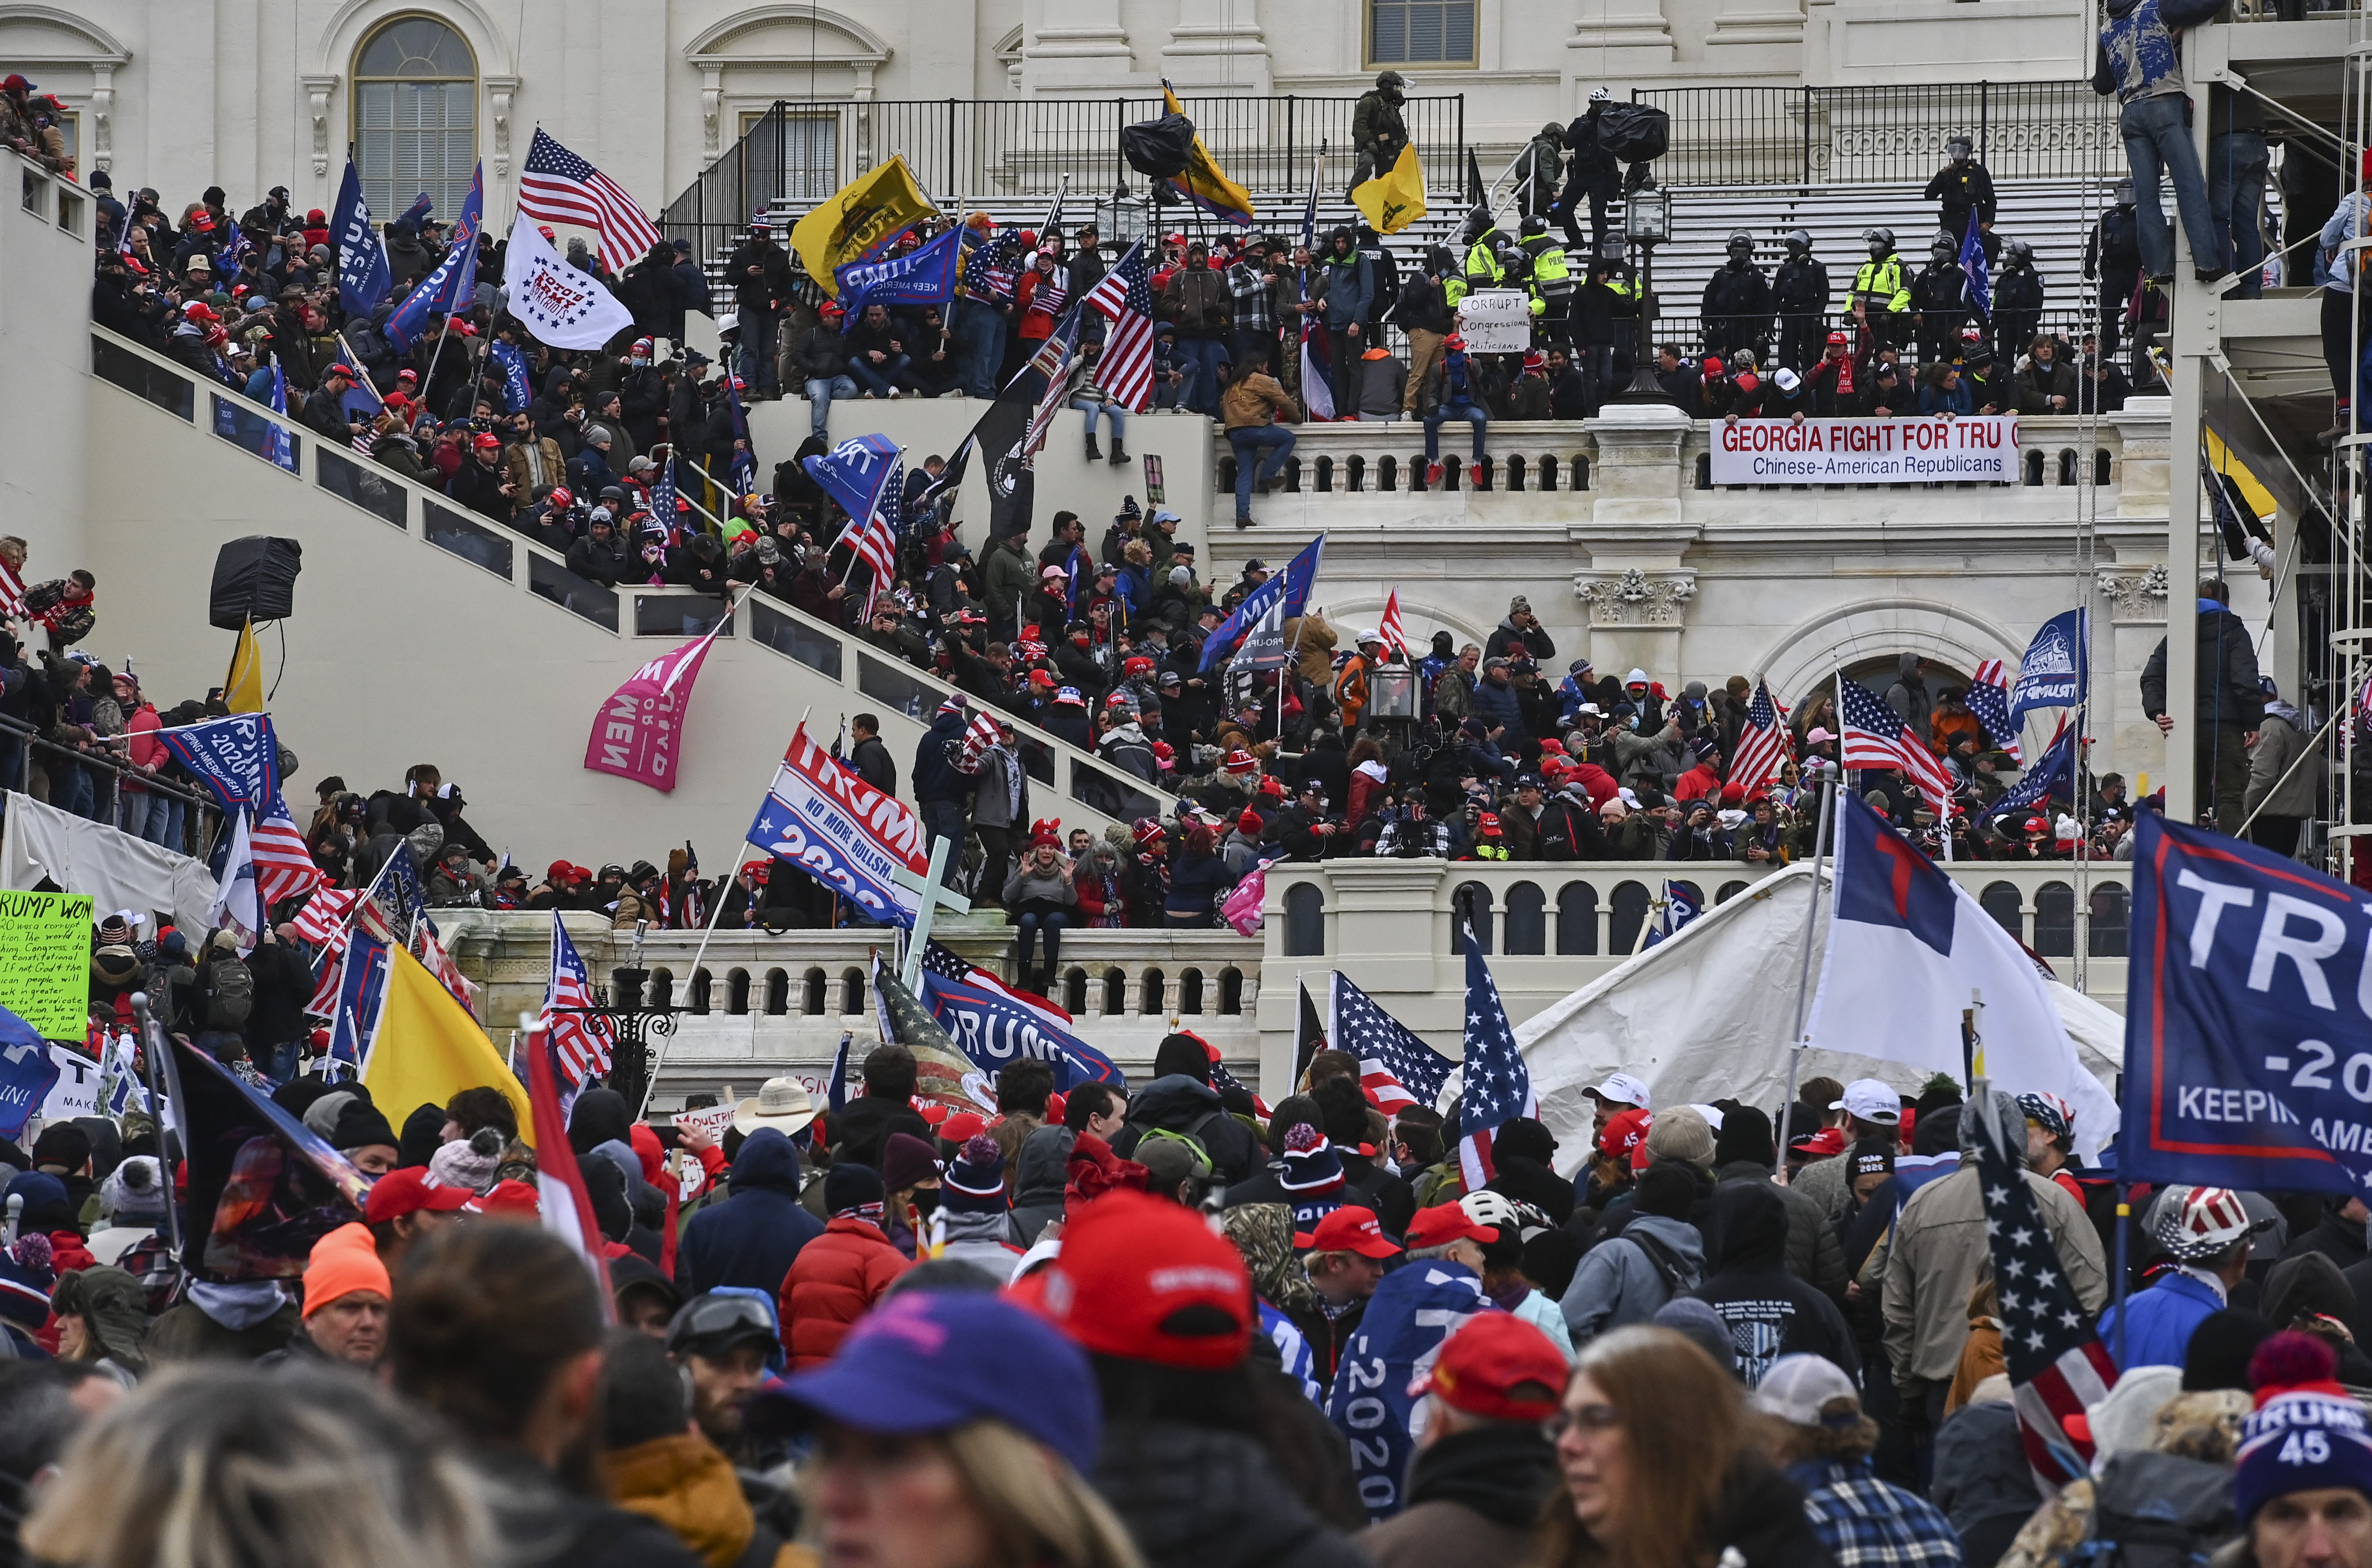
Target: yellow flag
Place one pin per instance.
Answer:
(243, 687)
(429, 1049)
(1394, 199)
(1203, 183)
(862, 213)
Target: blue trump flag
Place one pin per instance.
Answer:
(1972, 262)
(1682, 905)
(362, 986)
(450, 286)
(237, 759)
(856, 474)
(513, 359)
(417, 213)
(996, 1025)
(2048, 777)
(27, 1073)
(924, 275)
(2248, 1018)
(1398, 1341)
(279, 443)
(2056, 670)
(363, 273)
(1292, 586)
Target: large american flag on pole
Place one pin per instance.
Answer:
(1875, 737)
(1126, 298)
(1397, 1069)
(283, 866)
(582, 1044)
(1499, 1086)
(2056, 1362)
(1762, 745)
(556, 186)
(1989, 699)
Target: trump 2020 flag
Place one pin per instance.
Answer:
(1398, 1341)
(558, 304)
(638, 734)
(448, 287)
(237, 759)
(515, 395)
(27, 1073)
(1908, 948)
(2247, 1011)
(1288, 589)
(997, 1025)
(364, 276)
(857, 473)
(2052, 674)
(924, 275)
(853, 838)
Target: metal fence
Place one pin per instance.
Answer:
(968, 152)
(1806, 136)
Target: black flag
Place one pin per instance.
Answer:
(1477, 193)
(1004, 433)
(1311, 1041)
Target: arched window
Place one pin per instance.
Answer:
(2054, 920)
(778, 993)
(415, 108)
(1470, 905)
(2001, 901)
(1305, 921)
(852, 992)
(1527, 924)
(1576, 921)
(1151, 993)
(2111, 910)
(1630, 900)
(1190, 991)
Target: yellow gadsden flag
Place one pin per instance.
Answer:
(1203, 183)
(428, 1049)
(1394, 199)
(862, 213)
(243, 687)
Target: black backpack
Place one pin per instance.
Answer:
(230, 993)
(2152, 1510)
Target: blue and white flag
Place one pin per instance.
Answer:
(1398, 1338)
(238, 906)
(362, 986)
(663, 496)
(1293, 1349)
(451, 286)
(857, 474)
(1907, 947)
(2049, 776)
(836, 1088)
(517, 394)
(400, 891)
(1680, 907)
(279, 442)
(924, 275)
(823, 820)
(27, 1073)
(2246, 1015)
(237, 758)
(997, 1025)
(1972, 262)
(558, 304)
(2055, 672)
(1290, 586)
(364, 276)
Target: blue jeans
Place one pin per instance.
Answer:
(758, 351)
(1473, 412)
(945, 819)
(1199, 358)
(1249, 443)
(896, 371)
(70, 788)
(979, 336)
(820, 396)
(2235, 191)
(1113, 411)
(2156, 138)
(1030, 922)
(175, 835)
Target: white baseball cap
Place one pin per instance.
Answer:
(1622, 1088)
(1797, 1386)
(1870, 1099)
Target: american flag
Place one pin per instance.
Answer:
(1394, 638)
(1762, 745)
(1499, 1086)
(556, 186)
(12, 593)
(663, 494)
(582, 1044)
(430, 950)
(1397, 1069)
(1989, 699)
(1054, 362)
(1127, 368)
(322, 920)
(366, 440)
(978, 736)
(1316, 362)
(283, 866)
(2056, 1362)
(994, 266)
(1874, 737)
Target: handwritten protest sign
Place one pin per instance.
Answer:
(1497, 320)
(45, 961)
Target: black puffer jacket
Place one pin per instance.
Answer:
(1199, 1499)
(1180, 1104)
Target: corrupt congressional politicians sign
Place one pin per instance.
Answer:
(2248, 1019)
(1866, 452)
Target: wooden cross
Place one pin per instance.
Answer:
(934, 895)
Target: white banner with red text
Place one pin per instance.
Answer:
(1866, 451)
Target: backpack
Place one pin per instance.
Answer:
(1661, 1259)
(2152, 1510)
(230, 993)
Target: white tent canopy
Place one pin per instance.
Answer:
(118, 870)
(1710, 1014)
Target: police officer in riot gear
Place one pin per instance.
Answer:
(2114, 254)
(1881, 295)
(1737, 302)
(1800, 290)
(2018, 302)
(1550, 280)
(1939, 301)
(1379, 134)
(1965, 189)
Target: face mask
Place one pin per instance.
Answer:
(926, 1203)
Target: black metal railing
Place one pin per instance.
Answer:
(967, 152)
(1807, 136)
(19, 741)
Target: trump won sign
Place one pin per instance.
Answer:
(1866, 452)
(2248, 1019)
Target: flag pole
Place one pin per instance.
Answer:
(659, 1059)
(152, 1041)
(1804, 972)
(361, 379)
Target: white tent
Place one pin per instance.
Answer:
(1710, 1014)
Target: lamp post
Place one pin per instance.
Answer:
(1647, 223)
(632, 1027)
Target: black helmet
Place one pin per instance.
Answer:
(1478, 223)
(1944, 242)
(1553, 131)
(1390, 81)
(1535, 226)
(2018, 251)
(1881, 240)
(2124, 193)
(1958, 148)
(1741, 243)
(1799, 239)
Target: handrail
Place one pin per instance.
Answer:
(32, 738)
(849, 642)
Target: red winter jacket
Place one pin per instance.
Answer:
(835, 1280)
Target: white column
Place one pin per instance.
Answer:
(1075, 43)
(1217, 44)
(1612, 38)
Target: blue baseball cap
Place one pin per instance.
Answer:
(930, 1361)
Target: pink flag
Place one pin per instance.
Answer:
(639, 731)
(1241, 907)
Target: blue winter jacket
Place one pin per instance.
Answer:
(2160, 1320)
(751, 1238)
(935, 770)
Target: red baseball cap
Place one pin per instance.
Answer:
(964, 1125)
(1499, 1367)
(508, 1197)
(1446, 1223)
(409, 1190)
(1149, 1281)
(1625, 1138)
(1349, 1229)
